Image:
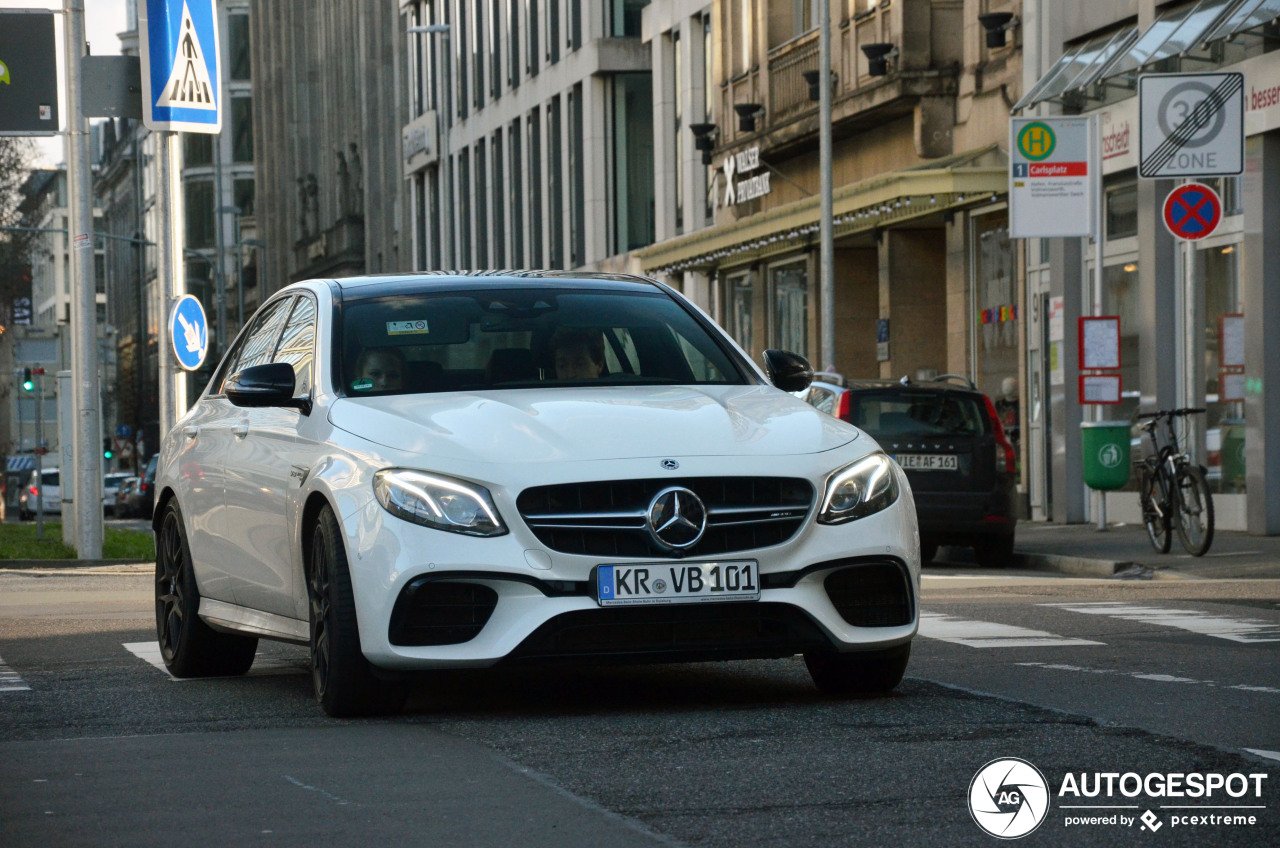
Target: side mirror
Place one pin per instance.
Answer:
(265, 385)
(790, 372)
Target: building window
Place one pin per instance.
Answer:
(197, 150)
(198, 201)
(632, 161)
(499, 212)
(462, 50)
(553, 31)
(790, 285)
(242, 129)
(243, 194)
(513, 43)
(741, 304)
(708, 87)
(495, 52)
(533, 55)
(482, 206)
(238, 44)
(677, 128)
(623, 19)
(575, 25)
(555, 185)
(577, 189)
(477, 51)
(535, 189)
(517, 196)
(741, 28)
(435, 237)
(1122, 212)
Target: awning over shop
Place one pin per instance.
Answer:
(884, 201)
(1124, 54)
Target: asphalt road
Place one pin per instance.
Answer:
(98, 746)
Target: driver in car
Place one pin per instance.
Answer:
(578, 353)
(379, 369)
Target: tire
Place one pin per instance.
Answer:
(996, 552)
(858, 673)
(343, 680)
(1149, 495)
(1194, 515)
(928, 550)
(190, 647)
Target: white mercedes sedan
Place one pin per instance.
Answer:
(422, 472)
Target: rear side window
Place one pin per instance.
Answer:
(50, 478)
(918, 413)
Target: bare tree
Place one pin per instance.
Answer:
(17, 160)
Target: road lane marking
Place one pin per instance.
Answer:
(1155, 678)
(990, 634)
(1247, 630)
(10, 681)
(262, 666)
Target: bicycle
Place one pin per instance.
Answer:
(1173, 491)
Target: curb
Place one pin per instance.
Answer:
(28, 564)
(1079, 566)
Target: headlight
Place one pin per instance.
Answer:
(438, 502)
(868, 485)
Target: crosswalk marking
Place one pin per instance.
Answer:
(1246, 630)
(263, 666)
(990, 634)
(10, 681)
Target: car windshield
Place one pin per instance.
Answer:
(525, 338)
(917, 413)
(49, 478)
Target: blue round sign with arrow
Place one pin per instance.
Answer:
(189, 333)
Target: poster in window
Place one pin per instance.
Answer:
(1100, 342)
(1230, 386)
(1099, 388)
(1231, 339)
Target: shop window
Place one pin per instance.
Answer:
(996, 296)
(740, 309)
(1223, 368)
(1120, 297)
(790, 284)
(1122, 212)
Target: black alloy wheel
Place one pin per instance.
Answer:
(190, 647)
(1155, 515)
(1195, 511)
(343, 679)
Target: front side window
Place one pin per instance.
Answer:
(526, 338)
(297, 344)
(256, 347)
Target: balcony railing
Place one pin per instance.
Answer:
(788, 90)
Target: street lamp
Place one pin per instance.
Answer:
(443, 99)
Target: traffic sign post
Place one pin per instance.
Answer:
(1190, 125)
(1192, 211)
(189, 333)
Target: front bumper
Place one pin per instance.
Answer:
(546, 608)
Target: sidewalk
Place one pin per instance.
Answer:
(1124, 548)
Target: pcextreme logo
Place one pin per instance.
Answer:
(1009, 798)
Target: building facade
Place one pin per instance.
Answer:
(529, 140)
(328, 108)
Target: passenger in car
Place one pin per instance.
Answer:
(578, 353)
(378, 369)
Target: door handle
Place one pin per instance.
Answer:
(190, 432)
(240, 430)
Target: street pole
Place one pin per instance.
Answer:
(221, 268)
(826, 257)
(173, 380)
(39, 457)
(88, 426)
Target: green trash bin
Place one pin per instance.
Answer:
(1231, 431)
(1106, 454)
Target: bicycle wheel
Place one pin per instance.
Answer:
(1155, 512)
(1194, 513)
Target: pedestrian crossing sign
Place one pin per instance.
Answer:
(180, 65)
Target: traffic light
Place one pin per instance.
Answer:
(107, 452)
(27, 383)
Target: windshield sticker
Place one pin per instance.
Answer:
(406, 328)
(362, 385)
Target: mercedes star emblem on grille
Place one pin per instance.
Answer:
(677, 518)
(670, 464)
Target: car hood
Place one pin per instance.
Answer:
(599, 422)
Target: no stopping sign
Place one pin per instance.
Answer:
(1192, 211)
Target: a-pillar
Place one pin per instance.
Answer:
(1260, 294)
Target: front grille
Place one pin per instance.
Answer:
(435, 612)
(607, 519)
(675, 632)
(871, 595)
